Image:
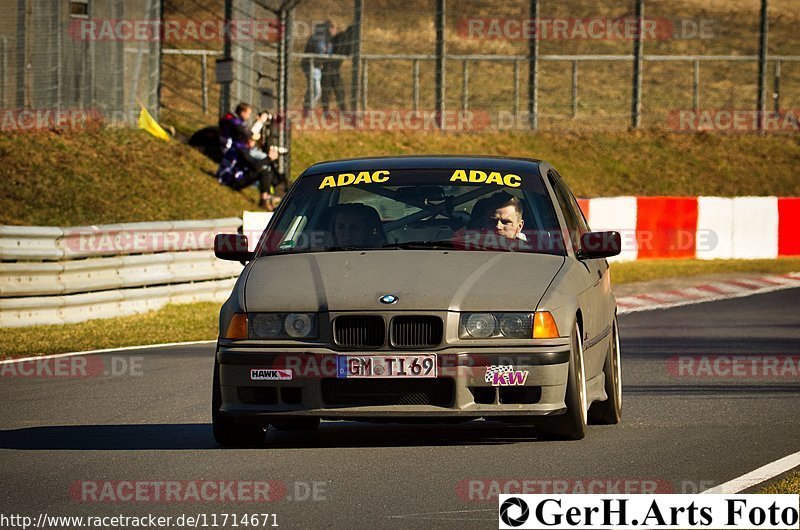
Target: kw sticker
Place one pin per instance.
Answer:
(362, 177)
(258, 374)
(505, 375)
(482, 177)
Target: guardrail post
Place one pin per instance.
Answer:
(636, 99)
(696, 87)
(464, 85)
(776, 93)
(415, 85)
(204, 80)
(574, 89)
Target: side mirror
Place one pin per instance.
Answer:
(232, 247)
(599, 245)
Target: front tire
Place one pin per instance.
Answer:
(227, 432)
(572, 424)
(609, 412)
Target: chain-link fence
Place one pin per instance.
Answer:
(518, 64)
(65, 62)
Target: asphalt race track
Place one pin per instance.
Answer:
(680, 432)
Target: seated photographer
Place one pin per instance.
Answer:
(233, 127)
(245, 165)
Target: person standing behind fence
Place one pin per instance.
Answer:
(317, 44)
(341, 43)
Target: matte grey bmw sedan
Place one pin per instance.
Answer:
(441, 287)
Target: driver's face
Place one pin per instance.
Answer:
(505, 221)
(350, 230)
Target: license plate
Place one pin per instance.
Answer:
(385, 366)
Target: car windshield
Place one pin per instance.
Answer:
(458, 209)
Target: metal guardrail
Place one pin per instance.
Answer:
(52, 275)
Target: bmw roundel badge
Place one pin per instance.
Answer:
(388, 299)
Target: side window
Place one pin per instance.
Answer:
(574, 223)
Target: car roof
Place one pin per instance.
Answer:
(494, 163)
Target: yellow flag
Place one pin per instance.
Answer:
(150, 125)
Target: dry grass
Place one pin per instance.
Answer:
(790, 484)
(622, 163)
(114, 176)
(174, 323)
(108, 176)
(394, 26)
(647, 270)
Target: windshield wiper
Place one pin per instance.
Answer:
(420, 245)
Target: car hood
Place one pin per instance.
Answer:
(421, 280)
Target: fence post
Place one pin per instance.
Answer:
(311, 101)
(516, 90)
(440, 62)
(762, 66)
(464, 85)
(415, 85)
(225, 88)
(357, 17)
(364, 84)
(204, 80)
(3, 70)
(696, 87)
(776, 93)
(574, 89)
(533, 68)
(284, 88)
(636, 99)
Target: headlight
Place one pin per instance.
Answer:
(479, 325)
(517, 325)
(496, 325)
(283, 325)
(299, 325)
(266, 325)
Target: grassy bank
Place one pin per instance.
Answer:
(600, 164)
(789, 484)
(647, 270)
(108, 176)
(199, 321)
(111, 176)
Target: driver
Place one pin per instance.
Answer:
(356, 225)
(504, 216)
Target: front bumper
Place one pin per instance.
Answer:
(459, 391)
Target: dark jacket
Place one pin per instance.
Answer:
(340, 44)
